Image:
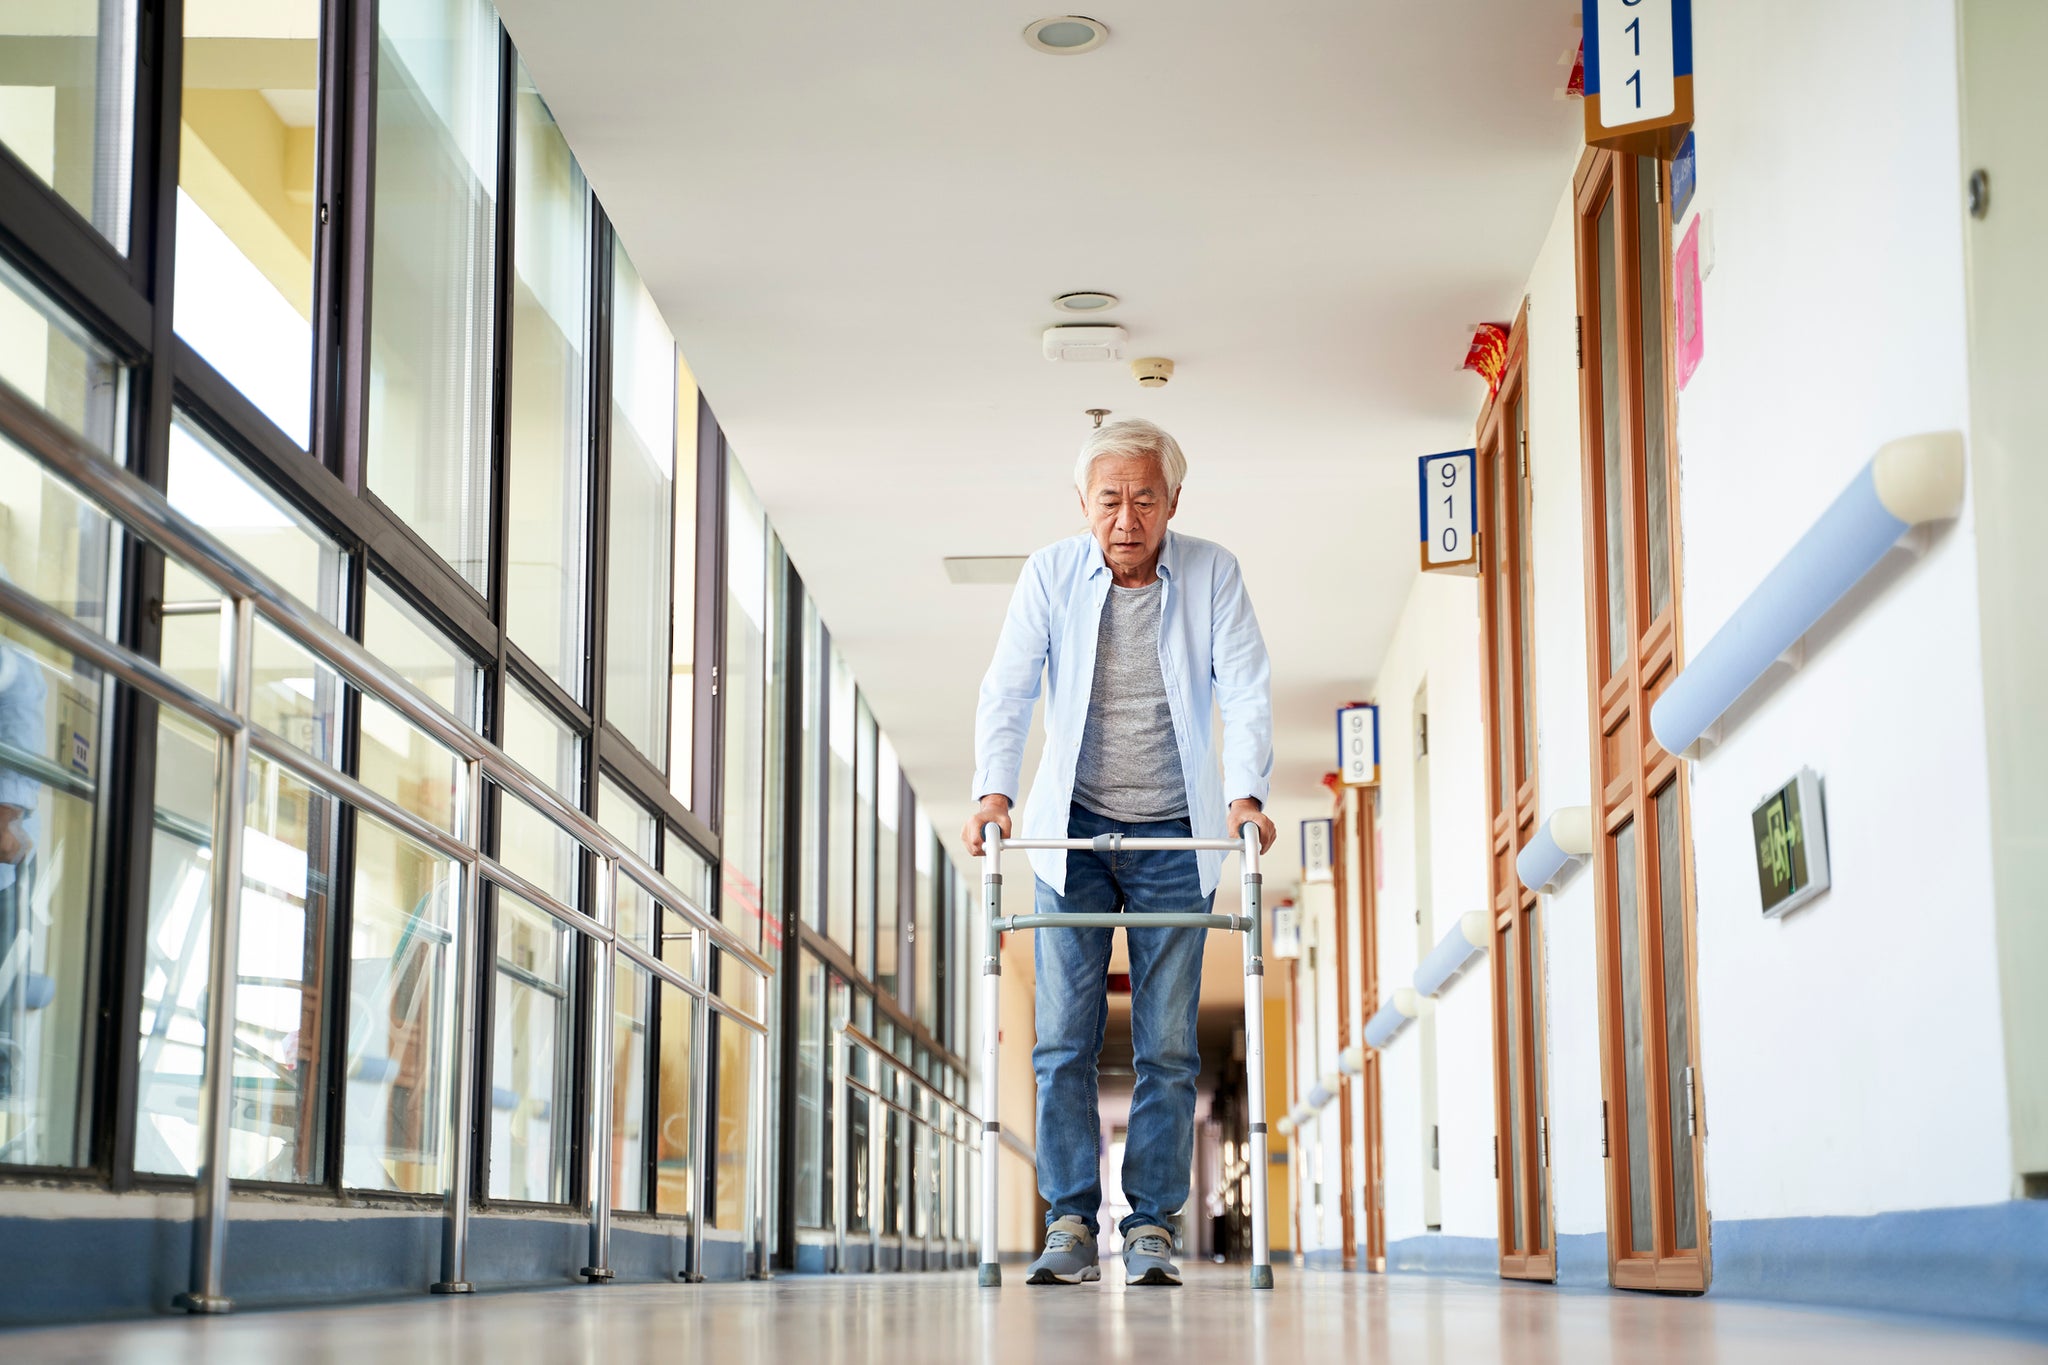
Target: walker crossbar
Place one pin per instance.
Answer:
(1248, 924)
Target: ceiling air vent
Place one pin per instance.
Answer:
(984, 568)
(1084, 341)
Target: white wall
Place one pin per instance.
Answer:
(1438, 640)
(1851, 1053)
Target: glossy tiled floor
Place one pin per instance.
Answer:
(946, 1320)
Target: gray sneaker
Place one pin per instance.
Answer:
(1069, 1256)
(1148, 1257)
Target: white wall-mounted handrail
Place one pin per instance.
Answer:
(1559, 844)
(1909, 482)
(1454, 952)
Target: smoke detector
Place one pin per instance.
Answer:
(1152, 371)
(1085, 341)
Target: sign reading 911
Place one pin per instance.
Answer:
(1450, 512)
(1638, 74)
(1358, 745)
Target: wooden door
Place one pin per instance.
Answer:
(1363, 1177)
(1656, 1207)
(1521, 1146)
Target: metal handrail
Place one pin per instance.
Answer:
(247, 596)
(948, 1133)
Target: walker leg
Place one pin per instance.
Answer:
(1255, 1061)
(991, 1275)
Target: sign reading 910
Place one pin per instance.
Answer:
(1450, 513)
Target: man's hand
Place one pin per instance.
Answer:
(1246, 809)
(14, 841)
(993, 810)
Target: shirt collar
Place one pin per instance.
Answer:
(1167, 556)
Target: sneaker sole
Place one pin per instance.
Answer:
(1088, 1276)
(1156, 1276)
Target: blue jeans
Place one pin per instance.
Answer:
(1073, 1008)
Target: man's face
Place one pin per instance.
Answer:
(1128, 508)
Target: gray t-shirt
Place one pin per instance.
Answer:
(1129, 766)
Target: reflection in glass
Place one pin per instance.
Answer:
(839, 824)
(632, 995)
(545, 401)
(632, 824)
(888, 867)
(1636, 1151)
(811, 767)
(529, 842)
(401, 984)
(1650, 270)
(431, 661)
(858, 1157)
(67, 105)
(247, 154)
(531, 1118)
(682, 729)
(745, 692)
(1524, 534)
(1677, 1017)
(672, 1187)
(865, 735)
(1616, 586)
(734, 1047)
(643, 433)
(50, 704)
(398, 759)
(428, 444)
(53, 361)
(1510, 1157)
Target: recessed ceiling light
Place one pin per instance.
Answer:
(1084, 301)
(1063, 35)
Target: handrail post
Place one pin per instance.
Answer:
(757, 1156)
(701, 1155)
(468, 929)
(208, 1293)
(603, 983)
(991, 1273)
(1255, 1054)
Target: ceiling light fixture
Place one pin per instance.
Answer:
(1085, 301)
(1064, 35)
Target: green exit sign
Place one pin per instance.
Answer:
(1791, 844)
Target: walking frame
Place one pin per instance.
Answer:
(1248, 923)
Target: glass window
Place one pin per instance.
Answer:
(529, 842)
(811, 767)
(67, 109)
(859, 1160)
(643, 469)
(288, 857)
(678, 1063)
(531, 1116)
(55, 362)
(888, 866)
(811, 1068)
(247, 150)
(735, 1120)
(635, 826)
(687, 870)
(682, 721)
(864, 838)
(50, 759)
(547, 511)
(1615, 587)
(1651, 268)
(743, 688)
(397, 759)
(924, 927)
(632, 995)
(839, 817)
(428, 444)
(400, 1039)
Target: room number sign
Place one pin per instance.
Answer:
(1450, 512)
(1638, 74)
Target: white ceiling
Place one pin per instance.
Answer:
(855, 218)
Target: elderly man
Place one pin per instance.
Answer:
(1144, 633)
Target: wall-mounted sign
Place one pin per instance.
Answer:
(1791, 832)
(1685, 177)
(1358, 745)
(1638, 74)
(1450, 512)
(1286, 936)
(1316, 865)
(1685, 294)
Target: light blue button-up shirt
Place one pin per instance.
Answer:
(1211, 657)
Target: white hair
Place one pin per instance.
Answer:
(1132, 436)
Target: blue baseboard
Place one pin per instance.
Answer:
(1433, 1253)
(1987, 1261)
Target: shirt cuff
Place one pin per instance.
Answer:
(989, 783)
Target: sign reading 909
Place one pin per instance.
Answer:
(1358, 745)
(1450, 512)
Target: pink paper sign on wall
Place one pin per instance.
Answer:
(1685, 289)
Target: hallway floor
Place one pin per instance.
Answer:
(945, 1320)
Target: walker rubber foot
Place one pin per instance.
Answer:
(1262, 1277)
(991, 1275)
